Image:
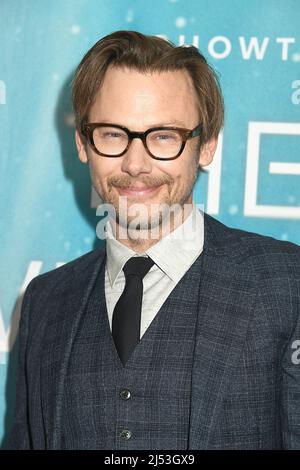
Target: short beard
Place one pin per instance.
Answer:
(149, 222)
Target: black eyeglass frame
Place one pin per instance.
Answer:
(87, 130)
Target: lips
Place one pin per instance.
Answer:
(138, 191)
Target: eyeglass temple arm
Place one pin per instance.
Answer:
(196, 131)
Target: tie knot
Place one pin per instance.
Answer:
(138, 266)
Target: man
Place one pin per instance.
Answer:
(158, 342)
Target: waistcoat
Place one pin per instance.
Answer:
(146, 404)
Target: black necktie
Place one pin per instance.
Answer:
(126, 319)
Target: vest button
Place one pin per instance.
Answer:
(125, 394)
(126, 434)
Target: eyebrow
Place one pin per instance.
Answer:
(159, 124)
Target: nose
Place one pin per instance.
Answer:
(136, 160)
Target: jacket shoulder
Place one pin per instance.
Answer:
(79, 265)
(244, 244)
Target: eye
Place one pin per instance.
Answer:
(109, 133)
(112, 134)
(164, 136)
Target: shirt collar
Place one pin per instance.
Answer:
(173, 254)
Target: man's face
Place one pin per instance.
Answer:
(140, 101)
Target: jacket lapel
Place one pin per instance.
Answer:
(72, 297)
(226, 298)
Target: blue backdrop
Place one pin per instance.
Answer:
(47, 208)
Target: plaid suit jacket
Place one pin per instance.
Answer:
(246, 368)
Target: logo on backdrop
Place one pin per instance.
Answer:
(220, 47)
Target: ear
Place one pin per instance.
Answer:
(207, 152)
(82, 154)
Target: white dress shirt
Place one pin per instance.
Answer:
(173, 255)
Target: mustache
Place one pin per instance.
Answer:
(128, 182)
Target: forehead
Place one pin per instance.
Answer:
(131, 97)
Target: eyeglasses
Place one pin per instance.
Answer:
(161, 143)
